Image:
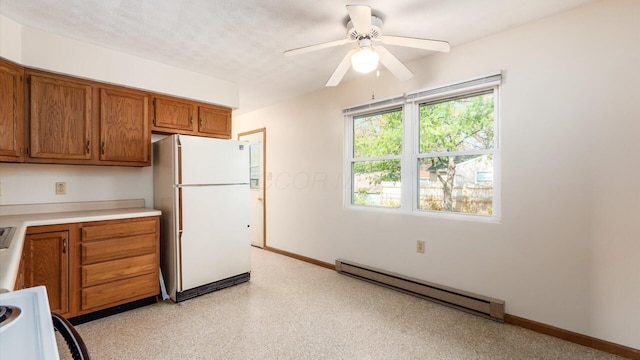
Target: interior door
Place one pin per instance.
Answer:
(257, 205)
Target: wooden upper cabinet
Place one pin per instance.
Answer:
(214, 120)
(59, 118)
(172, 114)
(11, 112)
(124, 130)
(178, 116)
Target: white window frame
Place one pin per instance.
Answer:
(410, 105)
(352, 160)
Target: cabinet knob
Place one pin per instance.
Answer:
(64, 246)
(88, 148)
(103, 148)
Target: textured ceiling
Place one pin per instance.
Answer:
(243, 40)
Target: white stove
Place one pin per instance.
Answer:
(26, 329)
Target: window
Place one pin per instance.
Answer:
(429, 152)
(456, 141)
(377, 150)
(254, 166)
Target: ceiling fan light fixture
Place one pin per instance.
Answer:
(365, 60)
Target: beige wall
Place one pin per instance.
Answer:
(567, 250)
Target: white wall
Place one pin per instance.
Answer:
(567, 251)
(38, 49)
(10, 39)
(35, 183)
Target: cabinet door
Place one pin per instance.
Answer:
(215, 121)
(124, 130)
(59, 118)
(172, 114)
(47, 263)
(11, 112)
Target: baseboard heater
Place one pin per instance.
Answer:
(462, 300)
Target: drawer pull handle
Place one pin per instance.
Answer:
(64, 246)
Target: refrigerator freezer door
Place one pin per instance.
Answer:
(215, 242)
(213, 161)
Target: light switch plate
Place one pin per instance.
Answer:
(420, 245)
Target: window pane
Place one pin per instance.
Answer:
(378, 134)
(457, 124)
(254, 165)
(376, 183)
(459, 184)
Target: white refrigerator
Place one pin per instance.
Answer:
(201, 185)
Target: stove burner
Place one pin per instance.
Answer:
(8, 313)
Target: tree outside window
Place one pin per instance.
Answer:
(456, 142)
(377, 148)
(451, 141)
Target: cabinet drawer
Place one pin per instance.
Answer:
(118, 292)
(112, 249)
(118, 269)
(119, 229)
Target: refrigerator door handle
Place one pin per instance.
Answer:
(179, 260)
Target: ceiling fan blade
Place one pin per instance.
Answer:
(394, 65)
(315, 47)
(426, 44)
(342, 68)
(361, 17)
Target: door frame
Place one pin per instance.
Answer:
(264, 178)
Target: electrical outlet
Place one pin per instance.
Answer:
(61, 188)
(420, 246)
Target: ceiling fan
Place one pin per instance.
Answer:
(366, 29)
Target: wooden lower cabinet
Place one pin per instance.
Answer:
(92, 266)
(47, 263)
(119, 262)
(20, 284)
(119, 292)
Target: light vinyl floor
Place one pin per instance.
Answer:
(294, 310)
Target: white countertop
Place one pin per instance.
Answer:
(10, 258)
